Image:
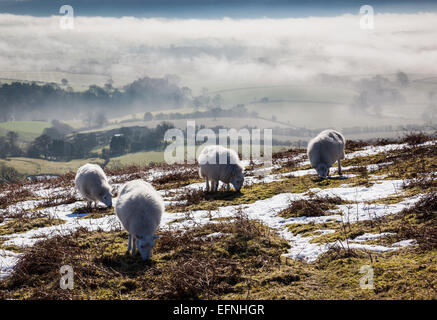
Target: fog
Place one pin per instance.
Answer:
(228, 53)
(211, 52)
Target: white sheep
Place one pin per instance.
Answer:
(217, 163)
(324, 150)
(93, 184)
(139, 208)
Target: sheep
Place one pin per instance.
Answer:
(324, 150)
(93, 185)
(140, 207)
(228, 170)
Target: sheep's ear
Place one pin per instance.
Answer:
(156, 237)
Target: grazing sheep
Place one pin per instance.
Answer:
(93, 184)
(324, 150)
(228, 170)
(139, 208)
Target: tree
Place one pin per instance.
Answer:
(109, 85)
(4, 147)
(40, 147)
(402, 78)
(99, 119)
(217, 101)
(118, 144)
(148, 116)
(12, 137)
(13, 149)
(64, 82)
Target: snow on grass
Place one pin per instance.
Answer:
(29, 238)
(373, 150)
(372, 236)
(265, 211)
(8, 259)
(380, 189)
(23, 205)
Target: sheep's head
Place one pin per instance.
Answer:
(238, 181)
(322, 170)
(145, 245)
(106, 197)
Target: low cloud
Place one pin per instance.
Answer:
(220, 53)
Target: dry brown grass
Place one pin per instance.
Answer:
(414, 137)
(14, 195)
(354, 145)
(424, 230)
(315, 206)
(185, 264)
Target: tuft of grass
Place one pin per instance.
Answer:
(95, 212)
(415, 138)
(423, 225)
(24, 224)
(314, 206)
(56, 200)
(355, 145)
(185, 265)
(310, 229)
(15, 194)
(252, 193)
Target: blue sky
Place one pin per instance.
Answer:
(212, 8)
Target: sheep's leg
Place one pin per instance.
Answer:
(89, 204)
(228, 187)
(134, 246)
(129, 241)
(215, 185)
(211, 182)
(339, 167)
(207, 185)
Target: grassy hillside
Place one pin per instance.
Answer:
(27, 130)
(29, 166)
(286, 235)
(296, 92)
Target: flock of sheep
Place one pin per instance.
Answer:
(140, 207)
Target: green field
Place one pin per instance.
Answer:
(27, 130)
(140, 115)
(286, 92)
(29, 166)
(78, 81)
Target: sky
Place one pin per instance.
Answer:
(211, 8)
(215, 51)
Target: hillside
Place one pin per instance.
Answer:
(287, 235)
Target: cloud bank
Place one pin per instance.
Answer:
(222, 52)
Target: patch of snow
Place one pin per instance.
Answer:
(405, 243)
(29, 238)
(373, 150)
(214, 235)
(8, 259)
(372, 236)
(381, 189)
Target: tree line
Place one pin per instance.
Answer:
(33, 101)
